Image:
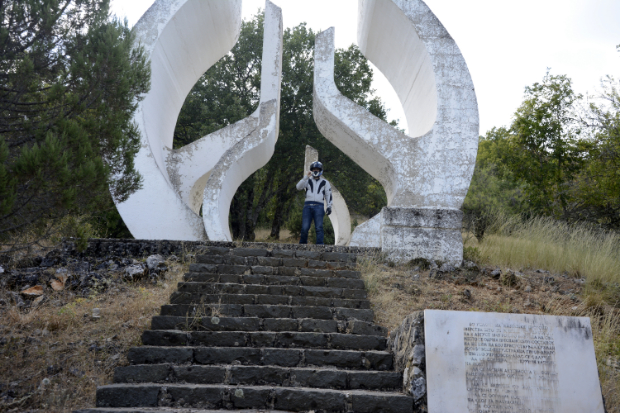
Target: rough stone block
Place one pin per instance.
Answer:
(293, 262)
(282, 357)
(336, 358)
(320, 313)
(263, 339)
(347, 293)
(209, 259)
(258, 375)
(141, 374)
(281, 324)
(269, 261)
(262, 270)
(389, 403)
(313, 272)
(312, 281)
(346, 283)
(355, 313)
(164, 338)
(273, 299)
(196, 395)
(200, 374)
(160, 355)
(277, 253)
(295, 339)
(357, 342)
(304, 400)
(318, 326)
(347, 274)
(317, 264)
(338, 256)
(374, 380)
(249, 252)
(246, 398)
(218, 338)
(227, 355)
(364, 328)
(330, 379)
(232, 269)
(124, 395)
(309, 255)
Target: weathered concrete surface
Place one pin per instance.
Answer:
(408, 233)
(368, 234)
(431, 168)
(259, 137)
(340, 217)
(182, 39)
(490, 362)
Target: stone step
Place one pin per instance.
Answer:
(276, 324)
(288, 339)
(264, 270)
(258, 397)
(337, 282)
(234, 288)
(280, 253)
(274, 262)
(199, 298)
(264, 356)
(267, 311)
(325, 378)
(168, 410)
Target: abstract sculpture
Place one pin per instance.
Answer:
(182, 39)
(340, 218)
(425, 175)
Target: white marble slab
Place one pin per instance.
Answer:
(510, 363)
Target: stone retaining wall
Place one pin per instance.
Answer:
(139, 248)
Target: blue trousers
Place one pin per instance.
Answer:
(312, 211)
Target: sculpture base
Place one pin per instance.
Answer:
(434, 234)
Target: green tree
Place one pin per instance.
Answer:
(229, 91)
(546, 151)
(69, 85)
(597, 189)
(493, 189)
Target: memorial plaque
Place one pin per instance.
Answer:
(510, 363)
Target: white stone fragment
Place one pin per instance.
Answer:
(340, 217)
(260, 133)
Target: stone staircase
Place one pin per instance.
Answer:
(258, 330)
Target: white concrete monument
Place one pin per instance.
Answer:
(510, 363)
(427, 173)
(182, 40)
(257, 141)
(340, 218)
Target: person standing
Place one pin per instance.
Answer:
(317, 189)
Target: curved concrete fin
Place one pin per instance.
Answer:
(340, 218)
(430, 170)
(257, 146)
(182, 39)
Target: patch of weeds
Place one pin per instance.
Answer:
(446, 298)
(423, 263)
(472, 254)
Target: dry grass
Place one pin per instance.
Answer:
(54, 356)
(397, 291)
(577, 250)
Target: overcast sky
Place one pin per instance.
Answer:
(507, 44)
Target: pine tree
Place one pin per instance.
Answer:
(70, 81)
